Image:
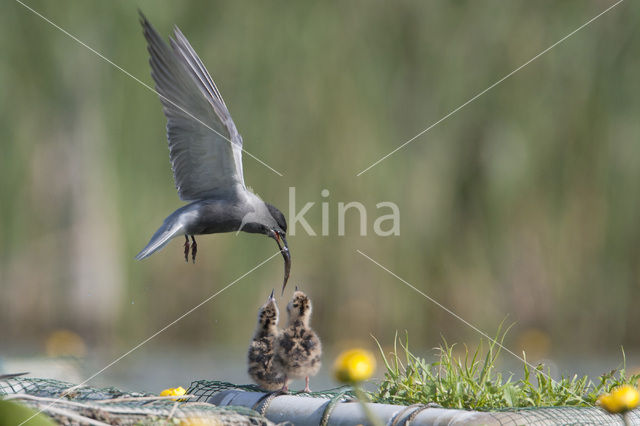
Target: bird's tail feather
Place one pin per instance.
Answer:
(160, 239)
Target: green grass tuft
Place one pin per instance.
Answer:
(472, 382)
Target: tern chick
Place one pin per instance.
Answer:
(298, 348)
(261, 348)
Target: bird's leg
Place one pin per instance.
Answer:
(306, 385)
(285, 386)
(186, 248)
(194, 249)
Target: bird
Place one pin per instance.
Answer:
(260, 354)
(205, 150)
(298, 348)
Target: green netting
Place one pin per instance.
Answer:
(563, 416)
(49, 388)
(56, 398)
(205, 389)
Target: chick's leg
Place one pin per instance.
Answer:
(285, 386)
(306, 385)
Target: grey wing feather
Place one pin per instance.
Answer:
(204, 146)
(182, 47)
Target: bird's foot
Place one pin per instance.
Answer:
(285, 387)
(306, 385)
(186, 249)
(194, 249)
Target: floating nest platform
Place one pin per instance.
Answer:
(220, 403)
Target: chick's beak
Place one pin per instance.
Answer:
(284, 249)
(271, 297)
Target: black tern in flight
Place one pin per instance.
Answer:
(206, 154)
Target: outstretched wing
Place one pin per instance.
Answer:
(204, 146)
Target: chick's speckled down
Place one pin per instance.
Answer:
(298, 348)
(261, 348)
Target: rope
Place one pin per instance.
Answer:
(328, 409)
(265, 400)
(419, 410)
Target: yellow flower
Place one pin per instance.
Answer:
(354, 366)
(620, 399)
(173, 391)
(607, 402)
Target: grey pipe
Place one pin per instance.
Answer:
(303, 411)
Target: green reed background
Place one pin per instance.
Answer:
(525, 204)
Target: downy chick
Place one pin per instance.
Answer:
(261, 348)
(298, 348)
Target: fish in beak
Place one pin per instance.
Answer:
(284, 249)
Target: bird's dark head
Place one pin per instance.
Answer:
(268, 315)
(299, 308)
(278, 217)
(278, 233)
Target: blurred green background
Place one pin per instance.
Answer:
(523, 205)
